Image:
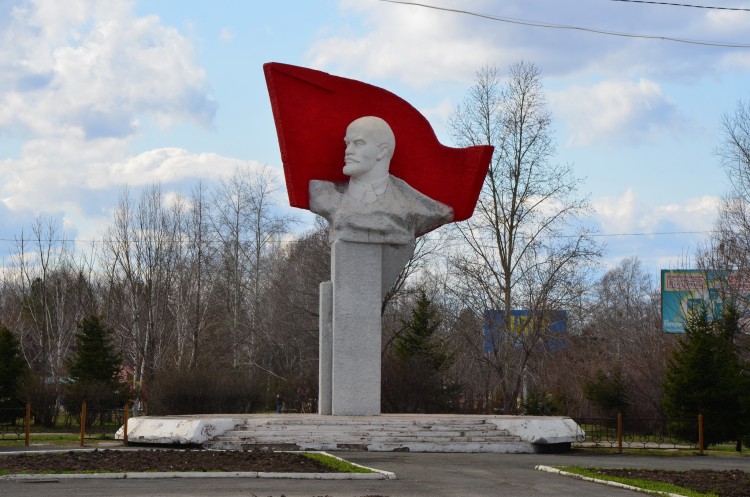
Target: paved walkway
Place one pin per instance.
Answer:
(419, 475)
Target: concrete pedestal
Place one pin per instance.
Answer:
(325, 347)
(356, 274)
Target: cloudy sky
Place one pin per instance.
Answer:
(95, 95)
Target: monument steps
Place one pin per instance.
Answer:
(457, 435)
(387, 432)
(346, 438)
(435, 434)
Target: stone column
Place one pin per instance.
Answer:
(356, 273)
(325, 347)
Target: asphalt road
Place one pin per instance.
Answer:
(419, 475)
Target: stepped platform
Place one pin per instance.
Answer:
(387, 432)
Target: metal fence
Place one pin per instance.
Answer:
(638, 433)
(17, 422)
(12, 422)
(104, 421)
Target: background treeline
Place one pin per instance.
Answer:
(208, 302)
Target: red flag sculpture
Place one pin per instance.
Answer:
(312, 110)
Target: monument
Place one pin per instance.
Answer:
(375, 219)
(396, 184)
(370, 163)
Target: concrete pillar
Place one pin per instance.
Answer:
(356, 275)
(325, 347)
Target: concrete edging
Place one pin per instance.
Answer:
(195, 474)
(550, 469)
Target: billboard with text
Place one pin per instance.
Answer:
(684, 291)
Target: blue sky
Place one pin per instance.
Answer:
(98, 94)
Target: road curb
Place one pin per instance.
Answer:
(550, 469)
(195, 474)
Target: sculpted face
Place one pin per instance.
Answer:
(369, 146)
(361, 150)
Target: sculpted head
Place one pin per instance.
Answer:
(369, 147)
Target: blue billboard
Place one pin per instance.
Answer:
(553, 326)
(684, 291)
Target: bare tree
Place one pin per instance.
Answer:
(425, 249)
(140, 256)
(622, 333)
(248, 227)
(522, 249)
(289, 354)
(197, 280)
(729, 248)
(51, 283)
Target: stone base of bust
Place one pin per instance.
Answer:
(356, 273)
(325, 347)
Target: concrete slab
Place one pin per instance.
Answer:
(178, 430)
(540, 429)
(356, 323)
(389, 432)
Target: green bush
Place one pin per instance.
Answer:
(539, 402)
(202, 391)
(94, 371)
(44, 398)
(414, 375)
(98, 395)
(608, 392)
(12, 369)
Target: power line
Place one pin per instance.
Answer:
(684, 5)
(293, 239)
(540, 24)
(658, 233)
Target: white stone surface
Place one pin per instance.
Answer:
(177, 429)
(356, 269)
(539, 429)
(416, 433)
(397, 216)
(394, 259)
(325, 347)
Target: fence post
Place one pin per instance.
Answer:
(27, 423)
(125, 425)
(83, 422)
(700, 434)
(619, 433)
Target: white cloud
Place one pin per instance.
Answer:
(627, 213)
(76, 79)
(422, 45)
(173, 164)
(50, 170)
(95, 66)
(415, 44)
(728, 23)
(621, 112)
(661, 236)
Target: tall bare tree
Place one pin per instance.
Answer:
(197, 277)
(140, 255)
(50, 288)
(730, 246)
(523, 248)
(247, 226)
